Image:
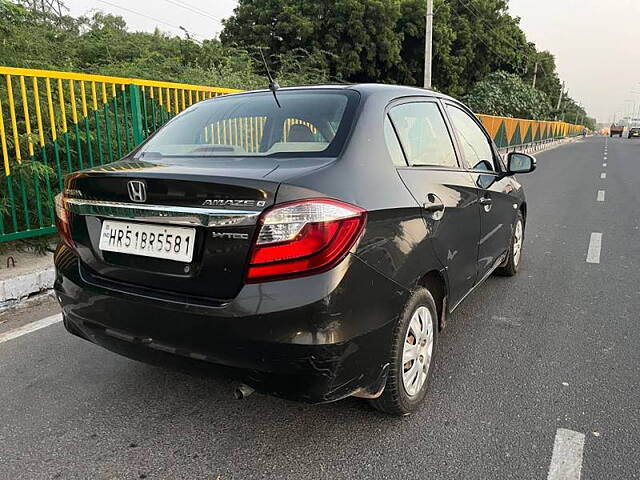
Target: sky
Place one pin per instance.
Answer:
(596, 45)
(595, 42)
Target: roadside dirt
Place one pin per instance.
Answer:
(31, 309)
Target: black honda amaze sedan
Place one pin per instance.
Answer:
(311, 245)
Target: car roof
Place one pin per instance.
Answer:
(399, 90)
(365, 89)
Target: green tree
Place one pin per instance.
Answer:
(357, 38)
(487, 40)
(102, 44)
(506, 94)
(572, 112)
(411, 29)
(547, 79)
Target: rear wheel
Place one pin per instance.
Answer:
(411, 359)
(512, 263)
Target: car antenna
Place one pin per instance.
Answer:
(273, 85)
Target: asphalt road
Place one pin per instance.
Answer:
(556, 347)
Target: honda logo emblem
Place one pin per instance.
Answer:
(137, 191)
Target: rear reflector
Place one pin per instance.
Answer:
(304, 237)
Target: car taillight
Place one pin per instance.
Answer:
(304, 237)
(62, 221)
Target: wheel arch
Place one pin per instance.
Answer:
(435, 282)
(523, 210)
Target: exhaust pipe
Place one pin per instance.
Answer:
(242, 391)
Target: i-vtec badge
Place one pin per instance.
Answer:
(230, 236)
(233, 203)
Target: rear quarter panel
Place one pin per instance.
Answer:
(396, 239)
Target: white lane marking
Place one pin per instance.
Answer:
(30, 327)
(601, 195)
(605, 157)
(604, 165)
(603, 175)
(595, 245)
(566, 460)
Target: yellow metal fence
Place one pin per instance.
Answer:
(511, 132)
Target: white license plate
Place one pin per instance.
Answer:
(149, 240)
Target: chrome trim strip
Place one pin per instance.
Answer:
(192, 216)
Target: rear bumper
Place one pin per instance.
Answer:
(315, 339)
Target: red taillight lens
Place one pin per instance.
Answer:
(62, 221)
(304, 237)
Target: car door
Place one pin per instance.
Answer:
(497, 207)
(445, 191)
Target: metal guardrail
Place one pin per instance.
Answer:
(533, 147)
(53, 123)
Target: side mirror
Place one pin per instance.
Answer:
(520, 163)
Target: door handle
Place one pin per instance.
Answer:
(486, 203)
(433, 207)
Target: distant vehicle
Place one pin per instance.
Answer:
(616, 130)
(316, 252)
(634, 128)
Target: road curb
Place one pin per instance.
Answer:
(14, 289)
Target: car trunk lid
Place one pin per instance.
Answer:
(221, 202)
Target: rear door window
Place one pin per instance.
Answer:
(423, 134)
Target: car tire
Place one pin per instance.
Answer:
(512, 263)
(402, 396)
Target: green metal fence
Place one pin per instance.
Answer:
(53, 123)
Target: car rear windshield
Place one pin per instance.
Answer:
(308, 123)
